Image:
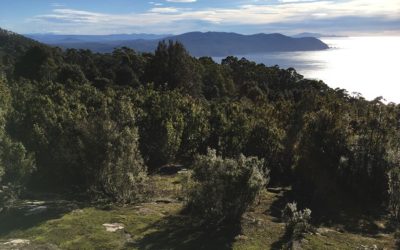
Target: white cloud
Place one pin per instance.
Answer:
(164, 10)
(181, 1)
(58, 5)
(296, 1)
(169, 19)
(156, 4)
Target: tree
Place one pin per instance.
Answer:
(16, 164)
(320, 152)
(114, 165)
(223, 188)
(38, 63)
(216, 81)
(161, 127)
(173, 68)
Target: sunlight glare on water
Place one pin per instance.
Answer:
(368, 65)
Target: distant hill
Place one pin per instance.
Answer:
(56, 39)
(13, 44)
(316, 35)
(203, 44)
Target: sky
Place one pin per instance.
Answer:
(339, 17)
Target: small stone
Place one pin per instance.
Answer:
(296, 245)
(165, 200)
(36, 203)
(113, 227)
(78, 211)
(17, 242)
(241, 237)
(36, 210)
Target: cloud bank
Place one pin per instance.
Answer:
(261, 16)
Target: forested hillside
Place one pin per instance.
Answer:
(197, 43)
(98, 125)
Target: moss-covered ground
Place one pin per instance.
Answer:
(160, 224)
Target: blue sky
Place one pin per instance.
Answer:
(178, 16)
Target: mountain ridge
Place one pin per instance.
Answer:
(205, 43)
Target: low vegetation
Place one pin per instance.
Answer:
(161, 223)
(95, 128)
(223, 189)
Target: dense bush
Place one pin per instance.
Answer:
(394, 193)
(114, 165)
(223, 189)
(16, 164)
(80, 115)
(82, 139)
(297, 221)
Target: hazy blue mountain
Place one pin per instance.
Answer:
(316, 35)
(55, 38)
(202, 44)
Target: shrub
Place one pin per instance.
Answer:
(114, 165)
(394, 193)
(297, 221)
(222, 189)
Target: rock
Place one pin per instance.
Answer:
(35, 203)
(323, 231)
(241, 237)
(128, 236)
(113, 227)
(147, 211)
(183, 171)
(17, 242)
(296, 245)
(171, 169)
(363, 247)
(78, 211)
(165, 201)
(380, 225)
(275, 190)
(36, 210)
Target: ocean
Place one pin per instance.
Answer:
(366, 65)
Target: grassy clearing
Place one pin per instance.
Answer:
(161, 225)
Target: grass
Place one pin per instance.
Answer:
(160, 224)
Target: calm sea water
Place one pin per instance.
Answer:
(366, 65)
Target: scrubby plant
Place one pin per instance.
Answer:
(16, 164)
(222, 189)
(115, 167)
(394, 193)
(297, 221)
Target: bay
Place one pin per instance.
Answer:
(366, 65)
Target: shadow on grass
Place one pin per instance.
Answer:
(284, 196)
(28, 215)
(282, 243)
(179, 232)
(346, 215)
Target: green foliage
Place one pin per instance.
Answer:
(297, 221)
(173, 68)
(81, 138)
(112, 157)
(394, 193)
(4, 107)
(223, 189)
(62, 113)
(320, 150)
(216, 80)
(38, 63)
(16, 164)
(161, 127)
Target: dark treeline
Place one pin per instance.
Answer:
(76, 121)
